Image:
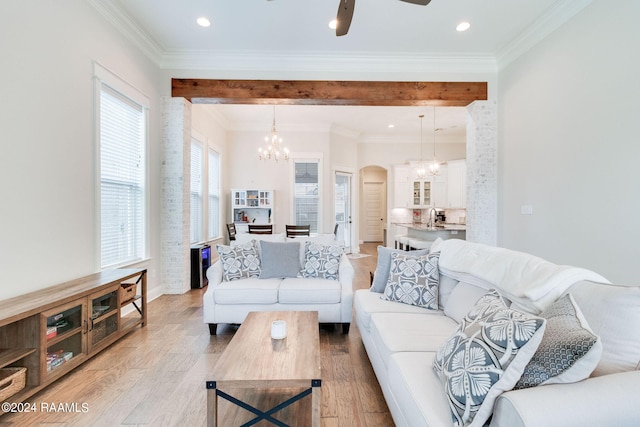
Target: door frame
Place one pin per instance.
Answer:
(354, 247)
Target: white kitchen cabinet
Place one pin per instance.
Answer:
(401, 186)
(421, 193)
(439, 188)
(251, 206)
(457, 183)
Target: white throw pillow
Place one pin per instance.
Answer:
(613, 313)
(486, 357)
(569, 351)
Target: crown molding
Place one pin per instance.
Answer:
(113, 13)
(553, 19)
(326, 61)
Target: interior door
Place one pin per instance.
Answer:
(374, 207)
(342, 209)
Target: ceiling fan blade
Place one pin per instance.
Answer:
(420, 2)
(345, 14)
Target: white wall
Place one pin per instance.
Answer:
(568, 143)
(47, 150)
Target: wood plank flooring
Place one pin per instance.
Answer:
(156, 375)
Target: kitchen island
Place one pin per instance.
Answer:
(424, 232)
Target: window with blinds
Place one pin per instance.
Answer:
(122, 136)
(214, 194)
(306, 194)
(196, 191)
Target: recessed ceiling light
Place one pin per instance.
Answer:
(333, 24)
(203, 22)
(391, 126)
(463, 26)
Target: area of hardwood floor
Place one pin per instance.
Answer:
(156, 375)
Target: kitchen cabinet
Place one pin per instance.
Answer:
(251, 206)
(401, 191)
(421, 196)
(439, 188)
(457, 184)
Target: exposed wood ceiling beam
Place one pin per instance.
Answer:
(308, 92)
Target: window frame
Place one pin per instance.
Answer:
(306, 158)
(104, 77)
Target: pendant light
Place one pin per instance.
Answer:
(273, 148)
(421, 169)
(434, 166)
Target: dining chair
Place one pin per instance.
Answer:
(260, 228)
(231, 228)
(298, 230)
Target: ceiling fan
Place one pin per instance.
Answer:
(345, 14)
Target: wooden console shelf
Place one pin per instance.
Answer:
(56, 329)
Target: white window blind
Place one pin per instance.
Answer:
(306, 194)
(196, 191)
(122, 178)
(214, 194)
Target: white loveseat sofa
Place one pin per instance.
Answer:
(402, 340)
(279, 286)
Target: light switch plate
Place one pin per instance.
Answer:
(526, 210)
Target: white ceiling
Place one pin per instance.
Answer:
(258, 34)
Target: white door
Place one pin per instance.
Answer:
(374, 203)
(342, 209)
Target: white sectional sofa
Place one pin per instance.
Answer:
(402, 340)
(278, 285)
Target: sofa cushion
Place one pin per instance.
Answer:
(613, 313)
(279, 259)
(381, 275)
(394, 332)
(485, 357)
(309, 291)
(462, 299)
(569, 350)
(321, 261)
(413, 280)
(417, 391)
(366, 303)
(247, 291)
(241, 261)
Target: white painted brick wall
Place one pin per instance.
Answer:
(175, 172)
(482, 172)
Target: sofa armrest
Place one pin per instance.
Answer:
(612, 400)
(346, 274)
(214, 274)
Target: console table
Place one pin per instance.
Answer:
(53, 330)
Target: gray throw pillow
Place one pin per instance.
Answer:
(279, 260)
(381, 275)
(569, 351)
(413, 280)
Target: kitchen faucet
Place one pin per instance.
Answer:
(432, 221)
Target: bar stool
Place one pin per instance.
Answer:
(401, 241)
(419, 243)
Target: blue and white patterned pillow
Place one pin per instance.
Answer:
(413, 280)
(239, 262)
(321, 261)
(485, 357)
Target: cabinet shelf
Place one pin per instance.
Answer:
(10, 355)
(63, 336)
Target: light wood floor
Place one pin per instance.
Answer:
(156, 375)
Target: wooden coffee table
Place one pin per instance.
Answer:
(253, 360)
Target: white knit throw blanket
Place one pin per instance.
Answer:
(527, 280)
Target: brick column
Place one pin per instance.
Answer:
(175, 173)
(482, 172)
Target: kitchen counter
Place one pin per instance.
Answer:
(424, 232)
